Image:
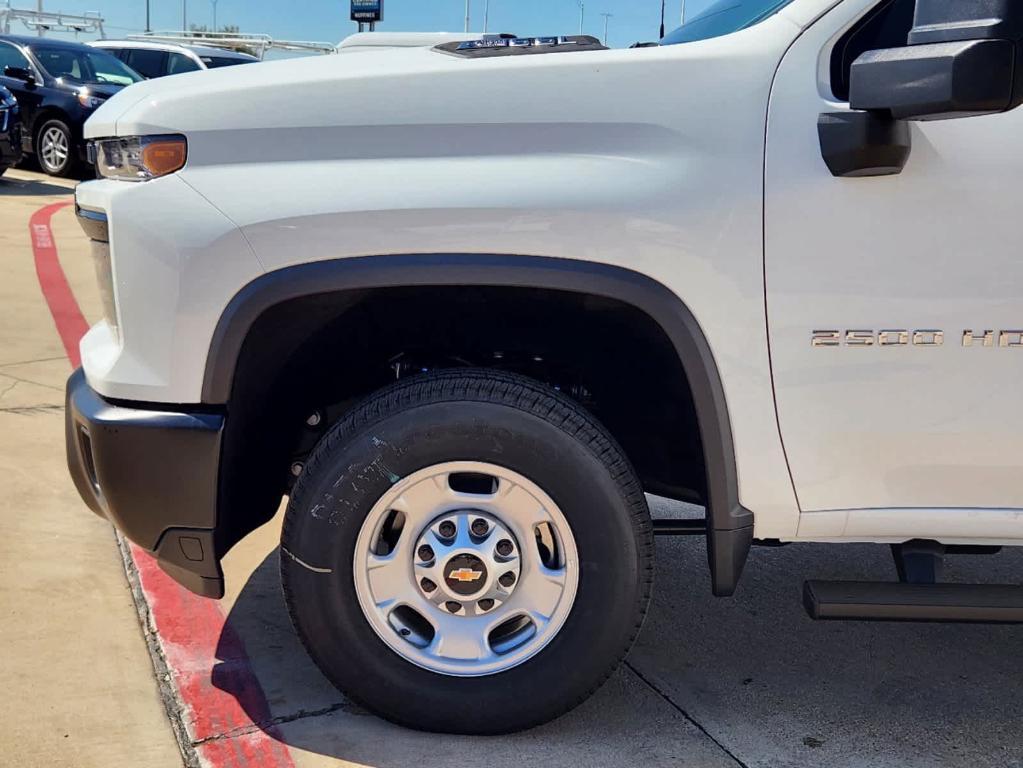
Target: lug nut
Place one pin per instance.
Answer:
(480, 527)
(505, 547)
(425, 553)
(447, 529)
(507, 579)
(452, 606)
(314, 419)
(404, 632)
(427, 585)
(485, 604)
(296, 469)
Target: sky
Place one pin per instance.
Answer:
(327, 20)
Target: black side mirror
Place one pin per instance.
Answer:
(962, 59)
(20, 73)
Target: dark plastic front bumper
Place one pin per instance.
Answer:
(153, 474)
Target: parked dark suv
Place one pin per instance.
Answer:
(58, 85)
(10, 130)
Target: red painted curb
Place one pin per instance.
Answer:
(192, 631)
(67, 316)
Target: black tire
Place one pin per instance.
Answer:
(474, 415)
(69, 167)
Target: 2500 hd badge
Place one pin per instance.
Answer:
(904, 338)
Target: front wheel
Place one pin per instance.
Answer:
(467, 552)
(54, 149)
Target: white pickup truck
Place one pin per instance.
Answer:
(465, 305)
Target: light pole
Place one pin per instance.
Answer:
(184, 15)
(683, 13)
(607, 18)
(582, 14)
(467, 9)
(662, 17)
(214, 15)
(486, 15)
(149, 27)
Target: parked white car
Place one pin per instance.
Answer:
(158, 59)
(466, 304)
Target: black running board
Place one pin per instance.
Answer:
(894, 601)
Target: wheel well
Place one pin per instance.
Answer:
(316, 356)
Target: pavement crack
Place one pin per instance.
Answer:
(28, 410)
(689, 718)
(275, 721)
(7, 389)
(30, 362)
(7, 375)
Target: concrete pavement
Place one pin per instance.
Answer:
(780, 690)
(626, 723)
(77, 682)
(748, 681)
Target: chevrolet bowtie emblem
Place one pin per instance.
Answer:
(465, 574)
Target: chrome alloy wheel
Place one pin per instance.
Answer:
(54, 149)
(466, 568)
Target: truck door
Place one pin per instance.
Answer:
(894, 305)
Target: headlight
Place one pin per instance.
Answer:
(140, 158)
(89, 102)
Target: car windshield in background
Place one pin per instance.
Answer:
(724, 17)
(86, 65)
(215, 62)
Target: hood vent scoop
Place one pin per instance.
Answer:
(501, 45)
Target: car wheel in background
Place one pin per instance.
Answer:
(54, 149)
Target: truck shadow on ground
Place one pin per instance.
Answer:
(768, 686)
(11, 187)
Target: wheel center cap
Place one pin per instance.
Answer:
(465, 574)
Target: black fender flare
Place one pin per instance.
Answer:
(730, 525)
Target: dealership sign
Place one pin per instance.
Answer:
(367, 10)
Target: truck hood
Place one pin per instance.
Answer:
(367, 41)
(174, 103)
(380, 87)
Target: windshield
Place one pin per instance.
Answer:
(724, 17)
(84, 65)
(215, 62)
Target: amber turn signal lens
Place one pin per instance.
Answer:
(164, 156)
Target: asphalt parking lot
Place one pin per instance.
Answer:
(105, 664)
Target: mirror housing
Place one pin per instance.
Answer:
(20, 73)
(961, 60)
(856, 144)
